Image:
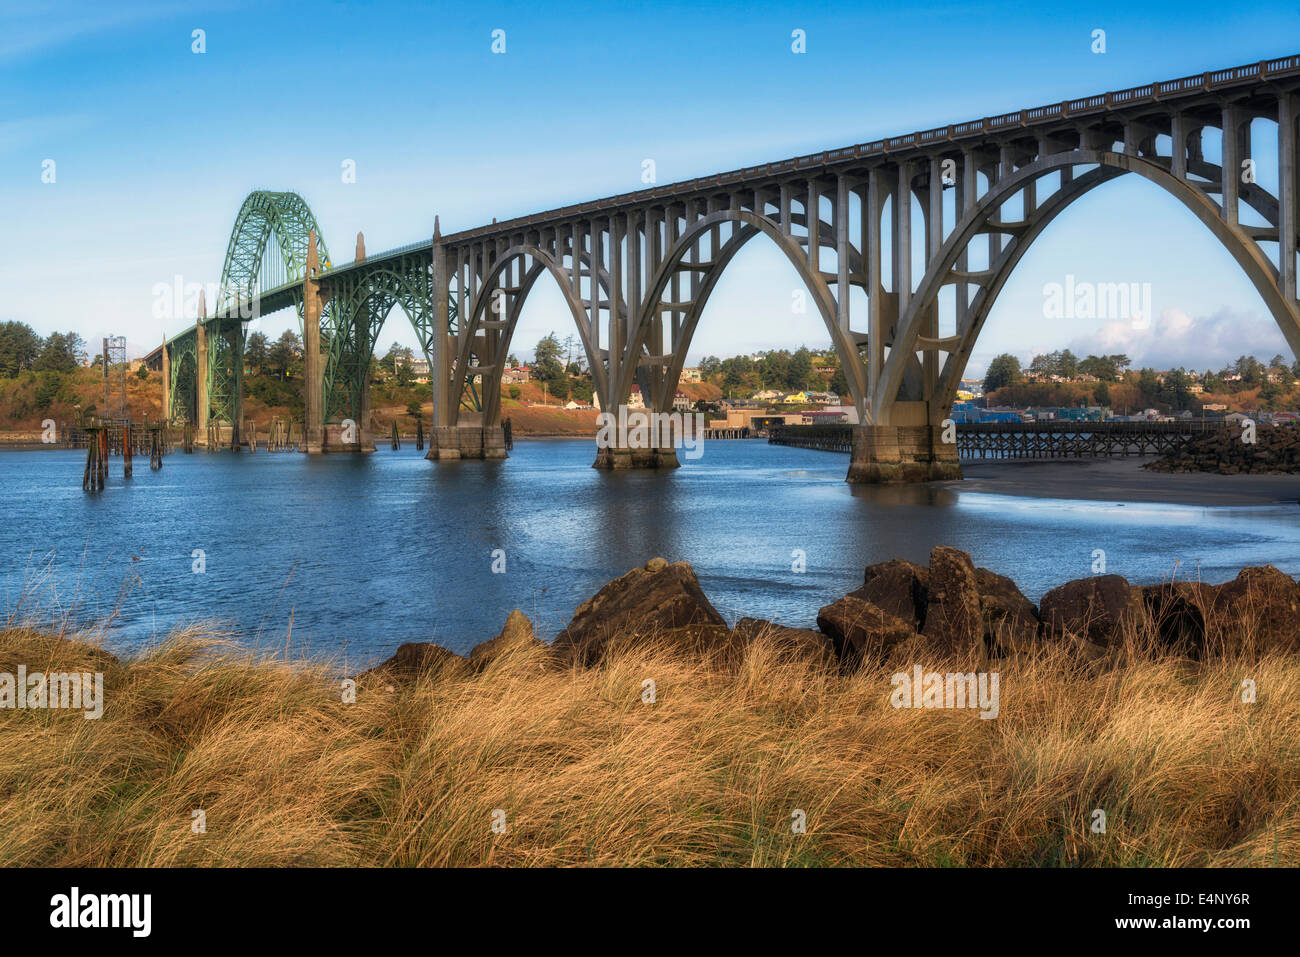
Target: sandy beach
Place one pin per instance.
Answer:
(1123, 480)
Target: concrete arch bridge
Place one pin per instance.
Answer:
(637, 270)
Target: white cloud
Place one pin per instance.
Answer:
(1178, 339)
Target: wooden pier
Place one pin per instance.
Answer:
(738, 433)
(823, 438)
(1054, 439)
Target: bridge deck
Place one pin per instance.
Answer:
(1214, 82)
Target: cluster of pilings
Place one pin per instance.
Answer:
(155, 447)
(92, 480)
(279, 435)
(105, 439)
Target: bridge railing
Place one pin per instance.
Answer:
(1150, 92)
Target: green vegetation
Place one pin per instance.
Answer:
(1059, 378)
(779, 370)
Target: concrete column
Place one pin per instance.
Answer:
(893, 454)
(166, 382)
(616, 341)
(842, 252)
(876, 314)
(1286, 207)
(441, 361)
(812, 210)
(933, 243)
(201, 375)
(1132, 137)
(967, 186)
(1178, 147)
(903, 237)
(365, 437)
(313, 365)
(236, 342)
(1231, 172)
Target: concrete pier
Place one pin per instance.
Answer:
(466, 442)
(890, 454)
(619, 458)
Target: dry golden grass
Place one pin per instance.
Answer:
(709, 774)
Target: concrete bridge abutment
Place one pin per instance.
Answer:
(625, 457)
(453, 442)
(900, 454)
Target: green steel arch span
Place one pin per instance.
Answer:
(266, 266)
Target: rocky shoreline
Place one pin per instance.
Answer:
(950, 608)
(1275, 450)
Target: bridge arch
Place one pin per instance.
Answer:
(362, 309)
(506, 302)
(183, 401)
(264, 215)
(981, 219)
(744, 226)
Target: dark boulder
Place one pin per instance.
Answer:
(899, 587)
(1177, 613)
(1259, 610)
(858, 628)
(1096, 609)
(953, 618)
(649, 601)
(801, 643)
(516, 636)
(415, 658)
(1010, 619)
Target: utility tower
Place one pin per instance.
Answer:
(115, 377)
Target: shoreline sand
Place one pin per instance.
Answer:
(1123, 480)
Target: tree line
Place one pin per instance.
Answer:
(22, 350)
(1172, 388)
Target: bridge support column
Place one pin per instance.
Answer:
(449, 442)
(166, 383)
(313, 363)
(203, 402)
(888, 454)
(636, 439)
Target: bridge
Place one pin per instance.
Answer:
(637, 269)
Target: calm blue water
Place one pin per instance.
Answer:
(353, 555)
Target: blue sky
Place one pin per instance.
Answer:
(156, 146)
